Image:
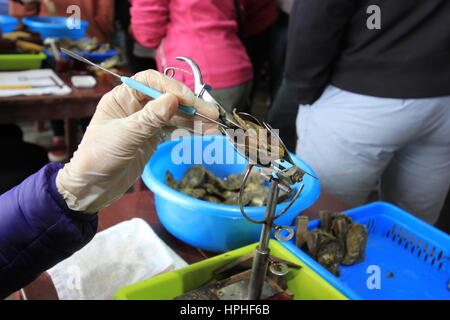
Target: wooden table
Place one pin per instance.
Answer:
(141, 205)
(80, 103)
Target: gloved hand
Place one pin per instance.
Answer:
(121, 137)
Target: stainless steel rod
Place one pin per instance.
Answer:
(260, 262)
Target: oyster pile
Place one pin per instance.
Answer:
(200, 183)
(84, 45)
(17, 42)
(338, 240)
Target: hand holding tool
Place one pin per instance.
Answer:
(151, 92)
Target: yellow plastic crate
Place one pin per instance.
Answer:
(305, 283)
(22, 61)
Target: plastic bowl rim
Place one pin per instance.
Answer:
(9, 20)
(84, 53)
(29, 21)
(220, 209)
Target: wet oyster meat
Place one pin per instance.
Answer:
(200, 183)
(257, 142)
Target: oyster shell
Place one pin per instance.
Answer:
(231, 198)
(256, 198)
(211, 198)
(232, 182)
(330, 253)
(193, 177)
(197, 193)
(213, 190)
(257, 141)
(338, 240)
(356, 241)
(170, 180)
(339, 227)
(301, 226)
(326, 218)
(325, 249)
(200, 183)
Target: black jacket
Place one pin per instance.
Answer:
(329, 43)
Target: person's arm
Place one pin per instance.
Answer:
(258, 15)
(37, 229)
(149, 19)
(21, 9)
(102, 25)
(316, 29)
(52, 213)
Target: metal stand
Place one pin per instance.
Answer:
(282, 173)
(260, 261)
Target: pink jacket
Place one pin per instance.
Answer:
(204, 30)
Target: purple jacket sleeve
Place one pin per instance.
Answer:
(37, 229)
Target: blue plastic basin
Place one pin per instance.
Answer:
(210, 226)
(8, 24)
(55, 27)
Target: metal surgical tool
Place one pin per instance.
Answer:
(139, 86)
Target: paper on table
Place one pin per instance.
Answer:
(45, 80)
(124, 254)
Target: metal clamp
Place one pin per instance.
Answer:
(240, 198)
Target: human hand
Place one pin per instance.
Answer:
(121, 137)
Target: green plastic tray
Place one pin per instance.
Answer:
(23, 61)
(305, 283)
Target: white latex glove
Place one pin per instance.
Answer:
(121, 138)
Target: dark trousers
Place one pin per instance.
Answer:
(282, 115)
(19, 159)
(58, 126)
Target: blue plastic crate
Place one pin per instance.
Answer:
(412, 257)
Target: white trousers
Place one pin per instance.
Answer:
(356, 143)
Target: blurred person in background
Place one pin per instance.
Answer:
(137, 57)
(256, 19)
(284, 107)
(207, 32)
(371, 79)
(100, 16)
(4, 7)
(20, 159)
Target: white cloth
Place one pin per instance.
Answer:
(124, 254)
(354, 142)
(45, 81)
